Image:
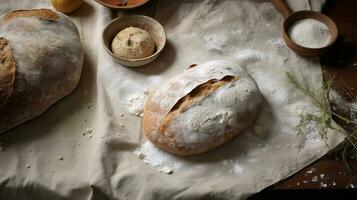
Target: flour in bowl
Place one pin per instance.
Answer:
(310, 33)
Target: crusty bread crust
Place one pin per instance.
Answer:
(46, 14)
(150, 120)
(48, 67)
(194, 96)
(7, 71)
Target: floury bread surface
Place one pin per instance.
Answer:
(42, 59)
(202, 108)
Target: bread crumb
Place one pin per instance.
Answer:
(87, 131)
(323, 184)
(314, 179)
(310, 171)
(166, 170)
(28, 166)
(259, 130)
(90, 105)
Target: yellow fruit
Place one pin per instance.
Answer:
(66, 6)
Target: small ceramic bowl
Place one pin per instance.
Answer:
(154, 28)
(117, 4)
(300, 15)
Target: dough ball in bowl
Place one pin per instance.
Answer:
(201, 109)
(133, 43)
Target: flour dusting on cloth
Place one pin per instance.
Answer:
(67, 165)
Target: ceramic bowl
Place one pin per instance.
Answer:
(154, 28)
(116, 4)
(300, 15)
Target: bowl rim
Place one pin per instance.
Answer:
(121, 7)
(158, 50)
(303, 14)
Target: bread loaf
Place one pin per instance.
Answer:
(7, 71)
(41, 61)
(202, 108)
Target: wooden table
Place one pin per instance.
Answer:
(340, 62)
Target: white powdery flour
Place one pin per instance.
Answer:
(341, 104)
(310, 33)
(157, 158)
(136, 103)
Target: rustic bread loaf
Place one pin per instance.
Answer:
(202, 108)
(7, 71)
(41, 61)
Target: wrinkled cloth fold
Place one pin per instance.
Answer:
(83, 147)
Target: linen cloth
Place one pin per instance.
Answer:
(83, 147)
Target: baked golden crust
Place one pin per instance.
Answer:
(7, 71)
(149, 120)
(46, 14)
(156, 127)
(48, 64)
(194, 96)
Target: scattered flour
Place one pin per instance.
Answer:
(278, 43)
(323, 184)
(322, 176)
(349, 108)
(220, 41)
(157, 158)
(250, 56)
(238, 169)
(136, 101)
(168, 163)
(314, 179)
(166, 170)
(310, 33)
(310, 171)
(235, 166)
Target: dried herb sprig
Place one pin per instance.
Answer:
(324, 120)
(322, 104)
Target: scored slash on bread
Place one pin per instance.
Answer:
(7, 70)
(193, 97)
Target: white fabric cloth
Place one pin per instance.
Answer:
(83, 147)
